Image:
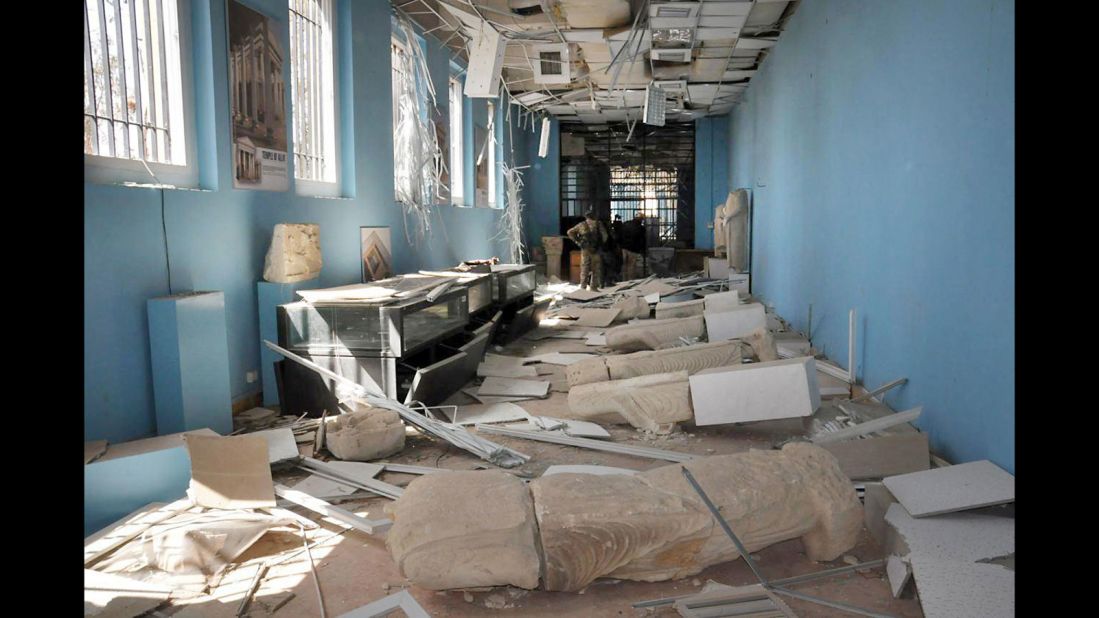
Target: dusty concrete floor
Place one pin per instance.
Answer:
(355, 568)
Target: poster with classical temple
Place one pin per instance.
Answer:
(258, 101)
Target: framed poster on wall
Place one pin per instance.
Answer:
(376, 249)
(257, 95)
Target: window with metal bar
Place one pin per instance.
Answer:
(136, 115)
(312, 73)
(456, 151)
(491, 154)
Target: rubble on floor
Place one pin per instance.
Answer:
(623, 380)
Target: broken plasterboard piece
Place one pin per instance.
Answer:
(490, 399)
(320, 487)
(722, 301)
(494, 413)
(494, 370)
(596, 339)
(954, 488)
(579, 429)
(899, 573)
(755, 392)
(598, 318)
(557, 358)
(734, 323)
(281, 444)
(230, 472)
(507, 387)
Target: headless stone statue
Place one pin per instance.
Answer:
(736, 230)
(477, 528)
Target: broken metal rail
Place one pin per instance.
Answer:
(372, 394)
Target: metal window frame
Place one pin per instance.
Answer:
(321, 47)
(114, 169)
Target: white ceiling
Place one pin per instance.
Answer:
(614, 50)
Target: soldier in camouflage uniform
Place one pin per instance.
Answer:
(591, 235)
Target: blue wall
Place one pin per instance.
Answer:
(878, 140)
(217, 237)
(711, 175)
(543, 185)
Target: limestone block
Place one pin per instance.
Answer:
(365, 434)
(755, 392)
(734, 323)
(653, 526)
(683, 309)
(632, 307)
(691, 358)
(465, 529)
(653, 334)
(294, 254)
(723, 301)
(651, 402)
(763, 344)
(587, 371)
(736, 229)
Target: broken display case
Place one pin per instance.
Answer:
(363, 341)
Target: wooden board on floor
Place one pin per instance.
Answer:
(875, 458)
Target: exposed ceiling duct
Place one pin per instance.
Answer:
(593, 61)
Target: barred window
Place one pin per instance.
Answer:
(312, 74)
(456, 152)
(135, 84)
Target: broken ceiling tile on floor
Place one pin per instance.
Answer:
(495, 370)
(230, 472)
(598, 318)
(557, 358)
(953, 488)
(755, 392)
(734, 322)
(875, 458)
(508, 387)
(493, 413)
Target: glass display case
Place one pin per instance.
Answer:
(392, 328)
(512, 281)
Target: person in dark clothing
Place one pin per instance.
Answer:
(632, 242)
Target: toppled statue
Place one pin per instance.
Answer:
(294, 254)
(651, 526)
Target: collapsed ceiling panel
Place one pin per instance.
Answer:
(592, 60)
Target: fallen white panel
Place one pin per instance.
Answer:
(740, 282)
(579, 429)
(723, 301)
(486, 370)
(597, 317)
(596, 339)
(320, 487)
(359, 471)
(949, 555)
(735, 323)
(953, 488)
(755, 392)
(557, 358)
(489, 399)
(586, 469)
(486, 58)
(281, 444)
(791, 344)
(899, 572)
(507, 387)
(494, 413)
